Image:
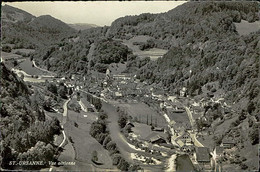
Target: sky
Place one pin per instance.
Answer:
(94, 12)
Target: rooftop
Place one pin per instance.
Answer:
(228, 141)
(219, 150)
(202, 154)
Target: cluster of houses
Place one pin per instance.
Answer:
(122, 86)
(206, 158)
(125, 86)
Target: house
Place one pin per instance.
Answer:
(158, 94)
(130, 124)
(180, 142)
(178, 110)
(187, 148)
(122, 77)
(157, 140)
(210, 94)
(185, 138)
(159, 129)
(118, 94)
(183, 92)
(189, 128)
(172, 98)
(90, 109)
(227, 143)
(202, 155)
(178, 128)
(218, 152)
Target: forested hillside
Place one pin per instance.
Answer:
(189, 23)
(27, 31)
(72, 54)
(208, 50)
(11, 14)
(25, 133)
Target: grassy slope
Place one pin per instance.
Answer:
(141, 111)
(84, 144)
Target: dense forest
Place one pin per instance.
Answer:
(25, 132)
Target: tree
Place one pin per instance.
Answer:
(15, 63)
(100, 67)
(254, 135)
(70, 139)
(106, 141)
(102, 116)
(94, 156)
(52, 88)
(6, 155)
(111, 146)
(123, 165)
(6, 49)
(242, 115)
(47, 105)
(116, 159)
(91, 63)
(62, 91)
(122, 120)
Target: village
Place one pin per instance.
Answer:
(168, 127)
(176, 134)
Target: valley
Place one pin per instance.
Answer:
(142, 94)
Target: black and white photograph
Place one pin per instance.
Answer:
(149, 86)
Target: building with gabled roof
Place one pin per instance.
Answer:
(202, 155)
(227, 143)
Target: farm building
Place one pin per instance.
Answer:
(202, 155)
(157, 140)
(227, 143)
(160, 129)
(218, 152)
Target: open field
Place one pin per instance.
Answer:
(143, 131)
(84, 144)
(9, 56)
(153, 53)
(26, 66)
(245, 28)
(144, 113)
(25, 51)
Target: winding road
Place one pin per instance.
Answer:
(45, 70)
(64, 120)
